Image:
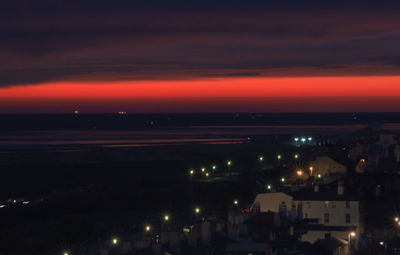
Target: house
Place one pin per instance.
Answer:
(325, 165)
(387, 140)
(336, 213)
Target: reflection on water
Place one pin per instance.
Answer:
(166, 136)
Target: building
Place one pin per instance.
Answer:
(326, 165)
(387, 140)
(335, 213)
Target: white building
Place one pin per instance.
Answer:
(325, 165)
(337, 212)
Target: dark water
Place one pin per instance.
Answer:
(13, 122)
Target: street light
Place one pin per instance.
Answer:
(311, 170)
(353, 234)
(319, 175)
(261, 158)
(279, 156)
(203, 169)
(65, 253)
(296, 156)
(229, 163)
(282, 179)
(269, 187)
(191, 172)
(214, 167)
(114, 241)
(166, 218)
(235, 202)
(147, 228)
(197, 210)
(207, 174)
(299, 172)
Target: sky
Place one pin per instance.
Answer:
(199, 56)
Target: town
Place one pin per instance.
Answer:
(324, 195)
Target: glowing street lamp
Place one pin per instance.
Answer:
(282, 179)
(147, 228)
(261, 158)
(197, 210)
(299, 172)
(114, 241)
(396, 219)
(269, 187)
(65, 253)
(166, 218)
(296, 156)
(229, 163)
(311, 170)
(319, 175)
(203, 169)
(279, 156)
(207, 174)
(191, 172)
(214, 167)
(236, 202)
(353, 234)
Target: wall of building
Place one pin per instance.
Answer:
(337, 211)
(325, 165)
(313, 235)
(272, 201)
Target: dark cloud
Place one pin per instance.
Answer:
(43, 41)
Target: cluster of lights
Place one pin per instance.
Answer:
(303, 139)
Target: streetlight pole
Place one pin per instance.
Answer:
(229, 163)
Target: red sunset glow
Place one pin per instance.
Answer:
(174, 95)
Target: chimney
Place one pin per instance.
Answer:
(340, 188)
(316, 188)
